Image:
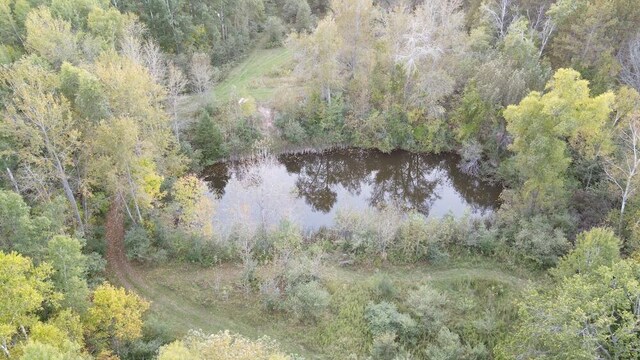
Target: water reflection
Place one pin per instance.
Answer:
(312, 186)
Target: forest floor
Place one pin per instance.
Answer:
(186, 296)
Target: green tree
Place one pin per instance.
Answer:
(585, 316)
(50, 37)
(70, 267)
(596, 248)
(115, 316)
(208, 139)
(42, 123)
(541, 125)
(192, 209)
(25, 289)
(318, 58)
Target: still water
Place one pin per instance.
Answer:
(310, 188)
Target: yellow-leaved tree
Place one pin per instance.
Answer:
(115, 317)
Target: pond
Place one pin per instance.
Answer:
(309, 188)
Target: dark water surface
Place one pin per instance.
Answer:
(310, 188)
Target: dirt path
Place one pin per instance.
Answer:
(114, 235)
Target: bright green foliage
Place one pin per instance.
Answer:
(44, 128)
(347, 330)
(472, 114)
(585, 316)
(49, 37)
(51, 335)
(539, 126)
(192, 207)
(70, 267)
(595, 248)
(108, 24)
(15, 221)
(25, 290)
(115, 316)
(85, 93)
(35, 350)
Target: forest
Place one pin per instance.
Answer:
(319, 179)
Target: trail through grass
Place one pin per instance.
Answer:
(258, 76)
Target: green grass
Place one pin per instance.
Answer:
(258, 75)
(190, 297)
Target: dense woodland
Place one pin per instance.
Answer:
(111, 110)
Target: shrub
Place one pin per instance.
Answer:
(384, 318)
(139, 246)
(428, 305)
(271, 295)
(370, 231)
(385, 347)
(291, 130)
(420, 238)
(287, 239)
(447, 346)
(539, 242)
(308, 301)
(275, 31)
(383, 288)
(346, 332)
(299, 270)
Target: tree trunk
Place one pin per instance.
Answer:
(13, 181)
(132, 187)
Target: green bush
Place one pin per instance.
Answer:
(384, 318)
(308, 301)
(382, 288)
(290, 130)
(346, 331)
(274, 30)
(139, 247)
(429, 306)
(385, 347)
(447, 346)
(539, 242)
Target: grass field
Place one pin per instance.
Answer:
(258, 76)
(190, 297)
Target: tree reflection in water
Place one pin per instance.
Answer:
(421, 182)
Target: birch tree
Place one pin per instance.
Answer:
(500, 14)
(629, 58)
(42, 122)
(176, 85)
(317, 58)
(623, 168)
(201, 72)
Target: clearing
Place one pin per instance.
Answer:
(259, 75)
(187, 296)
